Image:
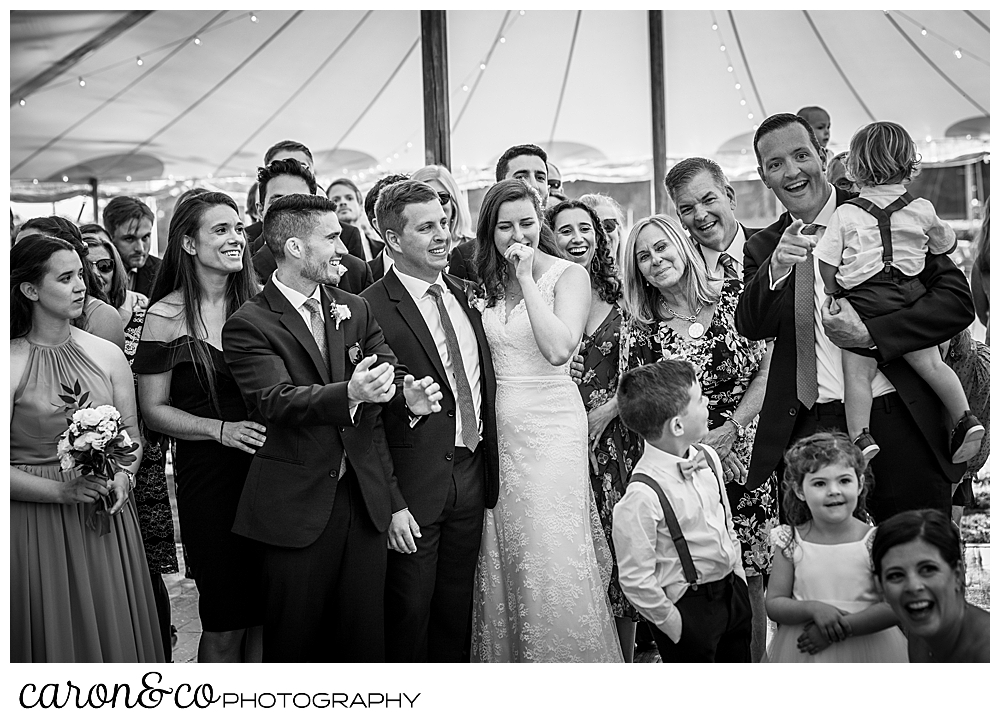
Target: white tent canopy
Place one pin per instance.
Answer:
(349, 85)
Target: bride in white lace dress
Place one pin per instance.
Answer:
(540, 588)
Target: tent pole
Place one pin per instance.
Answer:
(93, 195)
(657, 81)
(437, 121)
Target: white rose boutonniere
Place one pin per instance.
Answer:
(476, 300)
(340, 312)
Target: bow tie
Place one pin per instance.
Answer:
(688, 467)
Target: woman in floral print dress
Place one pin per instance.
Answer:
(675, 310)
(580, 237)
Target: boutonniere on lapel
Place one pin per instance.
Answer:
(354, 353)
(340, 312)
(476, 300)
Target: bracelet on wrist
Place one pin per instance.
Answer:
(740, 429)
(222, 425)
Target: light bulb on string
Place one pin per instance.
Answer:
(743, 102)
(750, 116)
(65, 179)
(465, 88)
(714, 26)
(34, 181)
(482, 66)
(738, 86)
(503, 40)
(722, 48)
(923, 31)
(128, 179)
(138, 60)
(729, 69)
(253, 17)
(197, 41)
(22, 102)
(958, 53)
(521, 12)
(83, 83)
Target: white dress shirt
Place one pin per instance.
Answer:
(649, 568)
(829, 369)
(467, 342)
(298, 300)
(735, 250)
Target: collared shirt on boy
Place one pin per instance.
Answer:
(649, 568)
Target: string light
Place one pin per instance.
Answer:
(482, 66)
(958, 53)
(722, 48)
(83, 83)
(503, 40)
(128, 178)
(34, 181)
(138, 60)
(731, 69)
(522, 12)
(197, 41)
(65, 179)
(738, 86)
(465, 88)
(253, 18)
(923, 31)
(21, 102)
(714, 26)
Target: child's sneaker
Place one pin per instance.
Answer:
(866, 443)
(966, 439)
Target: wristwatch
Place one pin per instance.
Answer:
(740, 429)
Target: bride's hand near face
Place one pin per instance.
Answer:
(522, 257)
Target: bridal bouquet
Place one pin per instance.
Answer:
(97, 443)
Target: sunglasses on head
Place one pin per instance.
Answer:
(609, 224)
(105, 266)
(555, 184)
(444, 197)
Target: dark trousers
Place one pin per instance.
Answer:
(907, 475)
(323, 603)
(716, 626)
(428, 593)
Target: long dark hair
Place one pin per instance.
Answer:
(29, 262)
(59, 227)
(603, 273)
(177, 271)
(490, 263)
(931, 526)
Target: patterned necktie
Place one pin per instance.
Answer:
(318, 329)
(728, 265)
(687, 467)
(466, 407)
(806, 386)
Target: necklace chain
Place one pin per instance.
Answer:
(690, 319)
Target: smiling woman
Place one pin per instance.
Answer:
(187, 392)
(917, 558)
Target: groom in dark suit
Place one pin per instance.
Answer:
(446, 464)
(314, 368)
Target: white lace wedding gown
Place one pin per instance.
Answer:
(540, 590)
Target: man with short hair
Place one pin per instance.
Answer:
(289, 149)
(314, 369)
(819, 119)
(288, 176)
(345, 193)
(447, 465)
(706, 203)
(383, 262)
(783, 298)
(130, 223)
(527, 163)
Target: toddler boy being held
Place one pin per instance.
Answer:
(694, 590)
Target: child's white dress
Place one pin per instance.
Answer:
(839, 575)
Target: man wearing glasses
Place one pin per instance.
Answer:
(705, 205)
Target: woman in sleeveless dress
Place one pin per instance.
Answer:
(580, 237)
(187, 392)
(540, 595)
(75, 595)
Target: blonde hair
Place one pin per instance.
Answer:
(882, 153)
(639, 297)
(460, 224)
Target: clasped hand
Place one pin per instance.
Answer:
(522, 257)
(91, 488)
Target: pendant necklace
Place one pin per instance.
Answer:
(696, 329)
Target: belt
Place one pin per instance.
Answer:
(836, 407)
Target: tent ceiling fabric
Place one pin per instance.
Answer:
(605, 116)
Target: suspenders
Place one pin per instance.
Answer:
(882, 216)
(687, 563)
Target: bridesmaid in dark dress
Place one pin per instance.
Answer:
(580, 237)
(186, 392)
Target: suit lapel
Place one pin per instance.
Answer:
(334, 336)
(292, 321)
(407, 308)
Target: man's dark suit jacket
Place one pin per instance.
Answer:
(377, 266)
(936, 317)
(292, 482)
(145, 277)
(423, 455)
(357, 279)
(747, 233)
(350, 235)
(461, 262)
